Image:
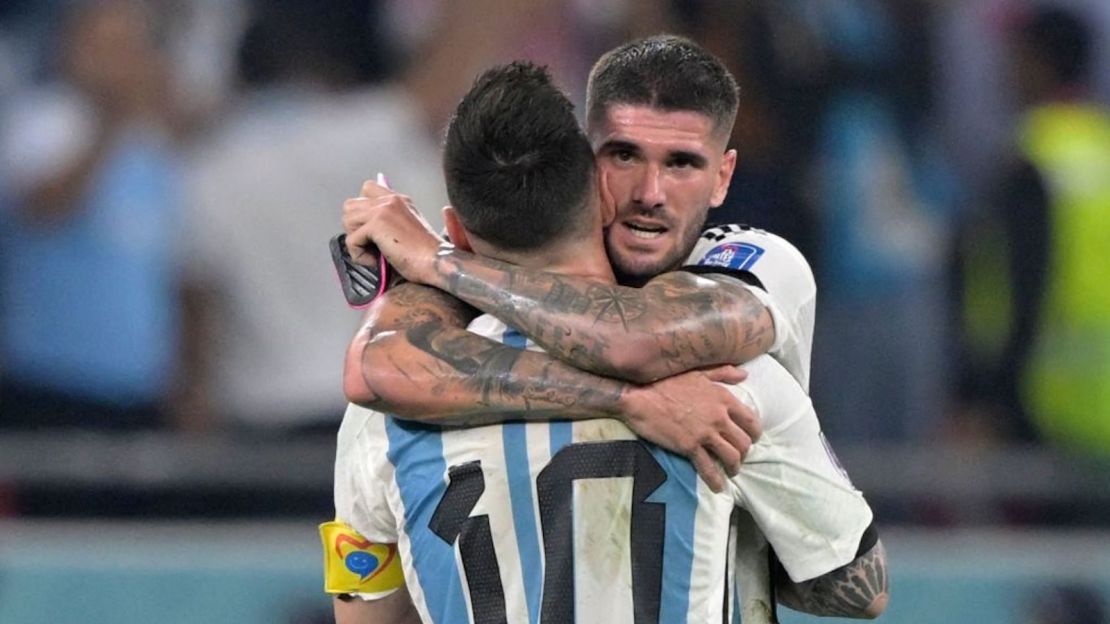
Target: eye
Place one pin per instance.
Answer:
(682, 161)
(622, 155)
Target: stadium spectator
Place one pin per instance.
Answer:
(884, 202)
(89, 231)
(1036, 301)
(327, 102)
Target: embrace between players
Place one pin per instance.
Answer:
(578, 306)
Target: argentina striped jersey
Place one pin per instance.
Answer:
(582, 522)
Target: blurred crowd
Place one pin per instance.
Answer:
(171, 170)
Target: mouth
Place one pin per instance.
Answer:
(645, 231)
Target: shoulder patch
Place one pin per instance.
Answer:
(737, 256)
(355, 565)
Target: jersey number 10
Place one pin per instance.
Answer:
(555, 488)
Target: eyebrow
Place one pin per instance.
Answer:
(694, 158)
(618, 145)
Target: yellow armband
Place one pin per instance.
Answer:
(355, 565)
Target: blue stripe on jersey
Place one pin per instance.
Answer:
(524, 515)
(562, 432)
(515, 441)
(680, 493)
(514, 339)
(417, 454)
(736, 606)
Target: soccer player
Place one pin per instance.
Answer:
(553, 518)
(668, 78)
(660, 112)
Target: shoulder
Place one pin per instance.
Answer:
(741, 247)
(755, 256)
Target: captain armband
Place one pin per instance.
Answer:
(356, 565)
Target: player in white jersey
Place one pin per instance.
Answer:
(429, 347)
(581, 521)
(659, 135)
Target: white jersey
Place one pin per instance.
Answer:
(582, 521)
(775, 272)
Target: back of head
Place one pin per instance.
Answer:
(1061, 40)
(665, 72)
(518, 168)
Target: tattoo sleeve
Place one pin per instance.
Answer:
(415, 359)
(675, 323)
(857, 590)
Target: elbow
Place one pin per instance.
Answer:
(371, 378)
(877, 606)
(358, 378)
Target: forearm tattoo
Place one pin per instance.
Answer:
(488, 377)
(845, 592)
(682, 321)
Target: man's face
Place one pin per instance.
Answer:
(663, 170)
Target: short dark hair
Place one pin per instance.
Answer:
(666, 72)
(1061, 38)
(518, 167)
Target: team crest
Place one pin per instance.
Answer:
(738, 256)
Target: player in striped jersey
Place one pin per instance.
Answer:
(516, 491)
(662, 181)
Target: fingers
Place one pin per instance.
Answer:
(737, 441)
(358, 211)
(355, 213)
(745, 418)
(729, 448)
(708, 469)
(372, 188)
(727, 374)
(358, 245)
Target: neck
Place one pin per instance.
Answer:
(578, 257)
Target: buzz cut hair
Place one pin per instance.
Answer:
(667, 73)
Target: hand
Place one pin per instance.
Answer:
(389, 220)
(694, 415)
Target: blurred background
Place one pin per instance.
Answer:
(172, 335)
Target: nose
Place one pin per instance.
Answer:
(649, 191)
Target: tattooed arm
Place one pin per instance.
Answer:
(414, 359)
(859, 589)
(676, 322)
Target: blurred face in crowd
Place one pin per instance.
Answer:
(663, 170)
(109, 51)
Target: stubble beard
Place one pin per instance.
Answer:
(632, 273)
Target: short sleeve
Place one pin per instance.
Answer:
(361, 479)
(790, 481)
(777, 274)
(362, 505)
